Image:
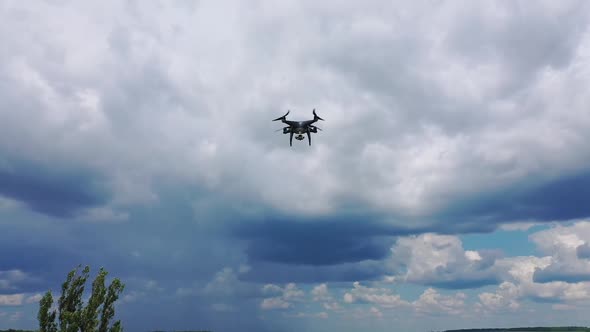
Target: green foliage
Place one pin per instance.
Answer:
(45, 317)
(72, 315)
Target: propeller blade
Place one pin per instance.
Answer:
(317, 117)
(282, 117)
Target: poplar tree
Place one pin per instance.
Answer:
(72, 314)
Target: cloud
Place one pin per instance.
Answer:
(11, 278)
(432, 301)
(436, 147)
(583, 251)
(559, 277)
(322, 315)
(284, 273)
(523, 284)
(12, 300)
(327, 241)
(34, 298)
(370, 313)
(142, 290)
(56, 192)
(142, 117)
(561, 198)
(518, 226)
(226, 283)
(429, 302)
(285, 298)
(565, 244)
(505, 298)
(440, 117)
(381, 296)
(100, 214)
(8, 203)
(441, 261)
(321, 293)
(274, 303)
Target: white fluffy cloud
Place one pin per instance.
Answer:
(321, 293)
(284, 296)
(566, 245)
(520, 285)
(440, 259)
(561, 275)
(505, 298)
(12, 300)
(274, 303)
(381, 296)
(431, 301)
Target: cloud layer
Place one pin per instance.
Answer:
(137, 136)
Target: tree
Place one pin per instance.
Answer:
(72, 315)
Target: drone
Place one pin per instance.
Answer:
(299, 127)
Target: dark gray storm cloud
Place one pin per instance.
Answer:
(265, 272)
(59, 191)
(583, 251)
(314, 241)
(551, 274)
(564, 198)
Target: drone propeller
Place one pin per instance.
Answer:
(282, 117)
(316, 116)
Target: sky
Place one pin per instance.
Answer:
(449, 187)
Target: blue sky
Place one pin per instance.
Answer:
(448, 188)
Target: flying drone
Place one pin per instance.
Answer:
(299, 127)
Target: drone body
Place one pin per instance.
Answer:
(299, 127)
